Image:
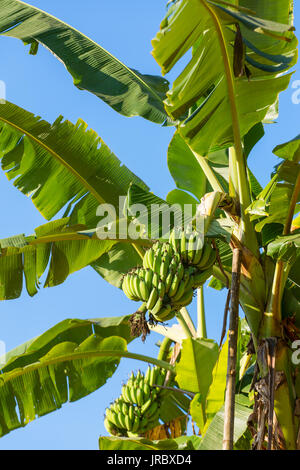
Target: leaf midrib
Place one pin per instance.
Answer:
(11, 375)
(131, 72)
(57, 157)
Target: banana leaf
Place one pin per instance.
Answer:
(65, 364)
(61, 165)
(92, 68)
(237, 69)
(55, 247)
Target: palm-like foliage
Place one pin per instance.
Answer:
(211, 98)
(240, 56)
(93, 68)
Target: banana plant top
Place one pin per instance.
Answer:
(236, 53)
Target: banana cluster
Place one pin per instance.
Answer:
(137, 409)
(170, 273)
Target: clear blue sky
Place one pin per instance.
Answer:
(41, 85)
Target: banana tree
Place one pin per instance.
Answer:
(239, 63)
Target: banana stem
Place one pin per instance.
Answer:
(183, 325)
(213, 180)
(229, 408)
(164, 349)
(187, 318)
(201, 326)
(139, 250)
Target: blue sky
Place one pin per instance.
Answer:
(41, 85)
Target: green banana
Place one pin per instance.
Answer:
(155, 280)
(125, 409)
(127, 288)
(136, 424)
(161, 288)
(143, 290)
(173, 240)
(139, 396)
(191, 248)
(121, 419)
(109, 427)
(200, 277)
(164, 267)
(174, 286)
(153, 376)
(211, 260)
(146, 391)
(128, 423)
(148, 278)
(207, 248)
(152, 409)
(168, 282)
(155, 310)
(185, 299)
(157, 262)
(183, 247)
(125, 394)
(165, 312)
(147, 376)
(146, 405)
(179, 292)
(152, 299)
(198, 250)
(131, 413)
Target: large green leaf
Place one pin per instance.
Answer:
(66, 363)
(124, 443)
(272, 204)
(289, 150)
(195, 366)
(216, 394)
(117, 261)
(285, 248)
(93, 68)
(187, 172)
(61, 164)
(213, 438)
(210, 98)
(56, 246)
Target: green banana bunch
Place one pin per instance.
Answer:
(193, 249)
(137, 409)
(170, 273)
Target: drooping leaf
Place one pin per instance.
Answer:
(187, 172)
(252, 137)
(61, 164)
(117, 261)
(272, 204)
(216, 393)
(285, 248)
(177, 196)
(213, 438)
(55, 245)
(289, 150)
(206, 97)
(174, 405)
(66, 363)
(93, 68)
(195, 366)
